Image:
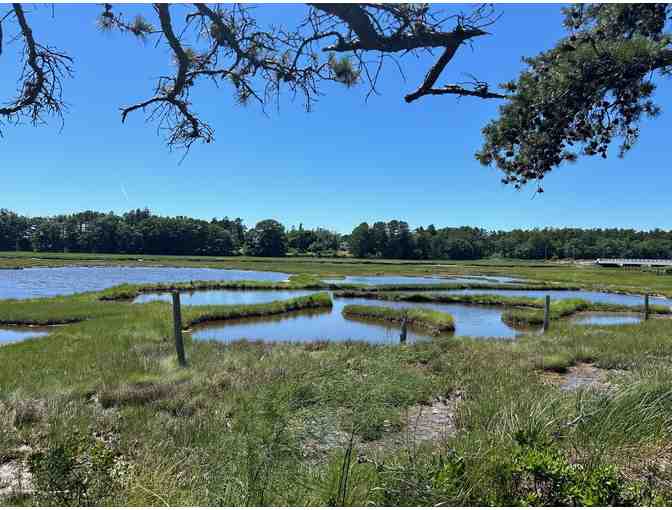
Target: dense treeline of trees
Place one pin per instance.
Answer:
(395, 239)
(139, 231)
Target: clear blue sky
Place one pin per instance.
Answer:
(347, 161)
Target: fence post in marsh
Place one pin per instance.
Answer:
(646, 307)
(177, 324)
(547, 312)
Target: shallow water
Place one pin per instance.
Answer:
(329, 324)
(421, 280)
(57, 281)
(11, 335)
(597, 297)
(225, 297)
(605, 319)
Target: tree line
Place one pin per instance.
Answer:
(141, 232)
(394, 239)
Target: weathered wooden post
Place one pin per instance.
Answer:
(646, 307)
(404, 329)
(177, 324)
(547, 312)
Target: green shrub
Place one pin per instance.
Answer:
(544, 477)
(76, 470)
(304, 395)
(538, 473)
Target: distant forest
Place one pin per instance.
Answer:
(141, 232)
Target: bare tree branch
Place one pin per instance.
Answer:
(369, 39)
(407, 29)
(225, 45)
(171, 100)
(40, 89)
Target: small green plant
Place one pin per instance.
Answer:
(543, 476)
(304, 395)
(74, 470)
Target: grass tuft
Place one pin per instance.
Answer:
(433, 321)
(193, 315)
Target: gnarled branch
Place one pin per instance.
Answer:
(40, 89)
(171, 99)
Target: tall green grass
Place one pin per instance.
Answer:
(193, 315)
(429, 320)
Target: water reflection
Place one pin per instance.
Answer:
(226, 297)
(421, 280)
(605, 319)
(329, 324)
(56, 281)
(10, 335)
(303, 326)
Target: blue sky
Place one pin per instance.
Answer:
(347, 161)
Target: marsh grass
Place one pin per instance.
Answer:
(193, 315)
(127, 292)
(122, 424)
(564, 308)
(432, 321)
(51, 311)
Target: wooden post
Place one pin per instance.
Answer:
(646, 307)
(547, 312)
(177, 324)
(404, 330)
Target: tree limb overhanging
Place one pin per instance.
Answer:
(171, 100)
(40, 80)
(594, 86)
(411, 28)
(226, 45)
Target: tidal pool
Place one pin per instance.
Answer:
(597, 297)
(329, 324)
(605, 319)
(421, 280)
(38, 282)
(11, 335)
(225, 297)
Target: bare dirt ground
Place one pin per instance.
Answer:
(582, 375)
(422, 423)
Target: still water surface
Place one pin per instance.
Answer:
(38, 282)
(597, 297)
(226, 297)
(11, 335)
(421, 280)
(329, 324)
(605, 319)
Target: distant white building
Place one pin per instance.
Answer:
(634, 262)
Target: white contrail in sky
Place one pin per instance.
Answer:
(123, 190)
